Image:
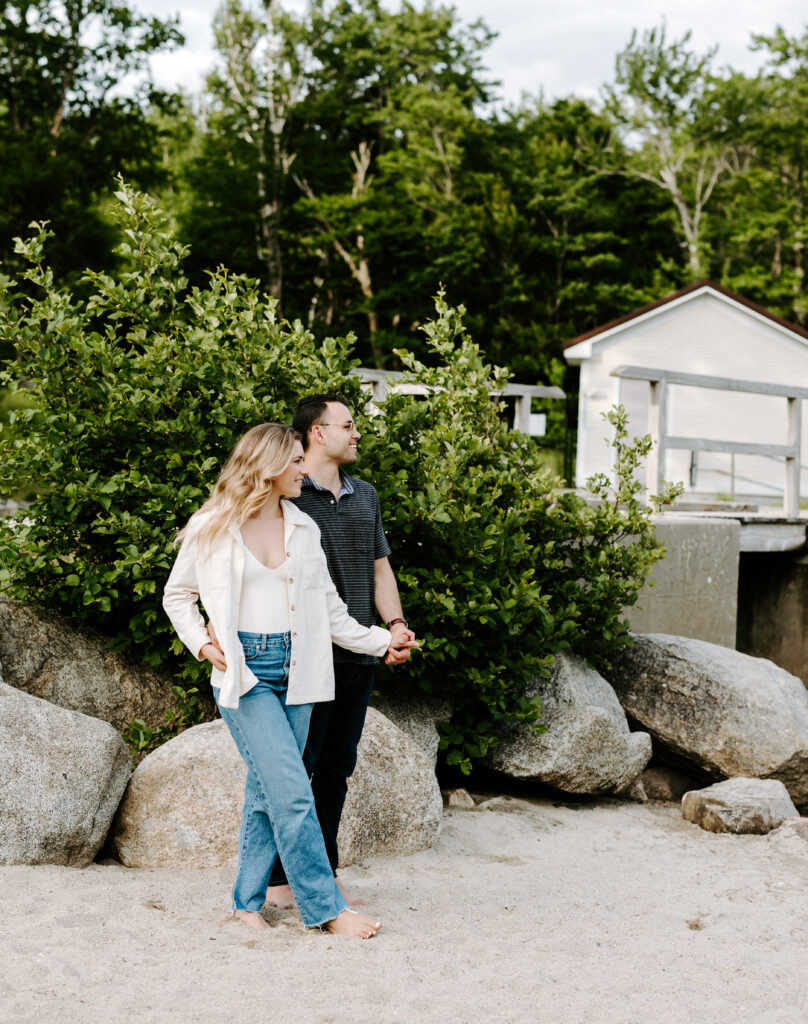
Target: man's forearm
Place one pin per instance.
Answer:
(388, 601)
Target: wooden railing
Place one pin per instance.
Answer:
(660, 380)
(381, 381)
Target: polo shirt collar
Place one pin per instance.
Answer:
(346, 482)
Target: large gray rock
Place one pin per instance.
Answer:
(62, 776)
(43, 655)
(418, 717)
(183, 804)
(587, 747)
(724, 712)
(742, 806)
(394, 804)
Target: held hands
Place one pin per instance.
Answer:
(212, 652)
(398, 652)
(403, 640)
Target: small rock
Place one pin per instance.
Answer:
(635, 792)
(459, 798)
(742, 806)
(663, 783)
(791, 836)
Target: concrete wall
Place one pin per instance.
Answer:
(773, 610)
(696, 585)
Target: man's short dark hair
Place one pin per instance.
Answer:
(310, 410)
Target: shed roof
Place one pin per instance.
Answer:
(691, 290)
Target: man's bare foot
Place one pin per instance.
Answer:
(352, 901)
(253, 919)
(280, 896)
(355, 926)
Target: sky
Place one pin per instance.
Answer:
(558, 48)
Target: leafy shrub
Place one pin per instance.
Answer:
(500, 569)
(142, 738)
(142, 386)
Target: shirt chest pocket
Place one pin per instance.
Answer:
(363, 534)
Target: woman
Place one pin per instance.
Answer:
(256, 563)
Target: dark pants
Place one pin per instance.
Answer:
(330, 754)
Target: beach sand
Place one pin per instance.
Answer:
(528, 910)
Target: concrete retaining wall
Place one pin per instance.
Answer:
(696, 585)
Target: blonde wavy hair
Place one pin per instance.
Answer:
(245, 481)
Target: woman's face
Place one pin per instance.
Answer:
(288, 483)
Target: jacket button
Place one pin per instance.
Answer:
(291, 607)
(291, 579)
(294, 634)
(294, 662)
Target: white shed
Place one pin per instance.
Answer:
(702, 329)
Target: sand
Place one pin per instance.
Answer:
(528, 910)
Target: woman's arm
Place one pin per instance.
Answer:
(346, 631)
(180, 601)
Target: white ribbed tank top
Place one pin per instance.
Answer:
(264, 604)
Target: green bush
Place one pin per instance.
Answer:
(142, 739)
(142, 386)
(499, 567)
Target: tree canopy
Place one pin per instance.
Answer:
(349, 156)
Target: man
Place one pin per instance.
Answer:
(348, 514)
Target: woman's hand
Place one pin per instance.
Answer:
(215, 655)
(402, 640)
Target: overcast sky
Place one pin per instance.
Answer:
(558, 47)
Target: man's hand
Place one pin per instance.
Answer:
(403, 639)
(215, 655)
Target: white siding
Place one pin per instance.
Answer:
(705, 334)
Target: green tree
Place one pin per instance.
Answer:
(62, 133)
(667, 96)
(763, 228)
(363, 98)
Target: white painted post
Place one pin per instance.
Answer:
(791, 492)
(658, 429)
(521, 414)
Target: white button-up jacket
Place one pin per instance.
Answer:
(317, 614)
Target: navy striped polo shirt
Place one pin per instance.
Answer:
(353, 538)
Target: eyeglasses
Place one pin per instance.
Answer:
(349, 426)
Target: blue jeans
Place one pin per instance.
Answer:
(279, 817)
(330, 756)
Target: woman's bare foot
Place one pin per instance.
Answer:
(253, 919)
(354, 925)
(280, 896)
(352, 901)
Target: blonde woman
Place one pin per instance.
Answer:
(255, 562)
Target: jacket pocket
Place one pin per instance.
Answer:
(313, 573)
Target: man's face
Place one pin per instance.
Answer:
(339, 433)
